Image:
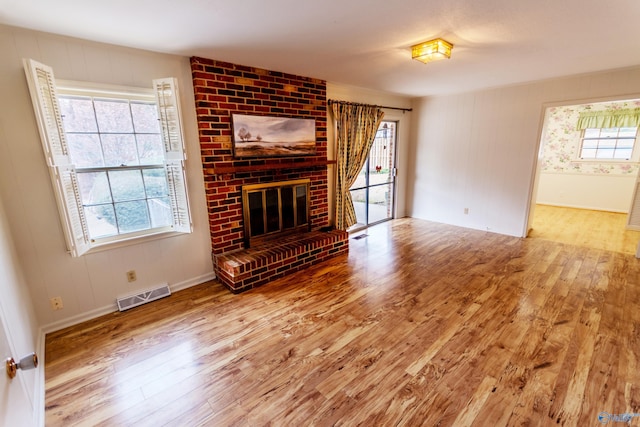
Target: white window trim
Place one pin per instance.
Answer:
(73, 87)
(42, 87)
(635, 154)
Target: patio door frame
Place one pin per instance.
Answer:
(392, 182)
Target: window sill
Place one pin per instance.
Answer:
(134, 240)
(624, 161)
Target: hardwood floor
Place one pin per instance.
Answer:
(583, 227)
(422, 324)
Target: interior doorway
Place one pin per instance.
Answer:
(373, 192)
(580, 196)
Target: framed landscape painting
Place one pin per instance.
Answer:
(268, 136)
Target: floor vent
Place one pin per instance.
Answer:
(125, 303)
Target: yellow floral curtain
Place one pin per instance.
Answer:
(628, 117)
(357, 125)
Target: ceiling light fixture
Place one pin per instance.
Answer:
(431, 50)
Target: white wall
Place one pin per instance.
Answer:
(598, 192)
(366, 96)
(476, 150)
(88, 285)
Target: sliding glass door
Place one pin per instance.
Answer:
(374, 190)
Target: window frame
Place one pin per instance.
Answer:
(43, 90)
(635, 152)
(71, 89)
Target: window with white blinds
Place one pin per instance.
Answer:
(116, 158)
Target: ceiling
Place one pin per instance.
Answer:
(363, 43)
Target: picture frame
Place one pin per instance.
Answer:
(271, 136)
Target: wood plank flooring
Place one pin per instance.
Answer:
(421, 324)
(584, 227)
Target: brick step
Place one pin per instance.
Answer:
(249, 268)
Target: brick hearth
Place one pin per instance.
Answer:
(249, 268)
(222, 89)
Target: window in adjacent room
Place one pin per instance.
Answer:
(116, 158)
(615, 143)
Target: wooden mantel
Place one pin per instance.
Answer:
(220, 170)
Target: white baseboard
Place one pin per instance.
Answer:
(101, 311)
(590, 208)
(192, 282)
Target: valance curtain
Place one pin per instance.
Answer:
(629, 117)
(357, 125)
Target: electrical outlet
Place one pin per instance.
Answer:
(131, 276)
(466, 211)
(56, 303)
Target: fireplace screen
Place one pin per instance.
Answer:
(275, 208)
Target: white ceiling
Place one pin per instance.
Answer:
(363, 43)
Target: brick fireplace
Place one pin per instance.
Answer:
(222, 89)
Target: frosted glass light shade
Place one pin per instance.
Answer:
(431, 50)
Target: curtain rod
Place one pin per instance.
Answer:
(335, 101)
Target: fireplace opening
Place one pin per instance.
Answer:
(274, 209)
